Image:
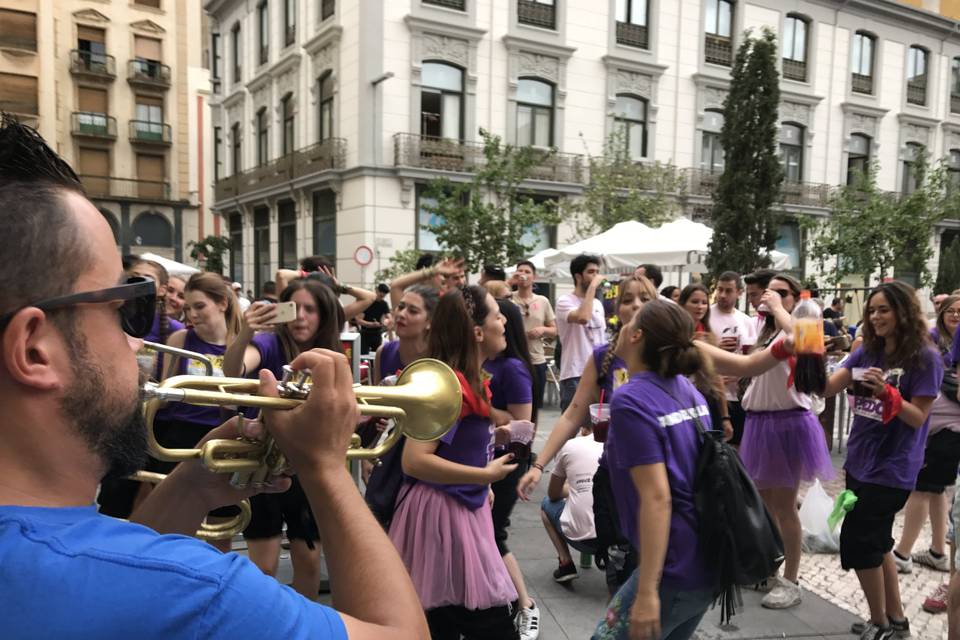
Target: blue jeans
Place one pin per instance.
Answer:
(553, 509)
(680, 612)
(539, 383)
(568, 387)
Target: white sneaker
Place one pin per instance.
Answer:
(926, 558)
(528, 622)
(784, 595)
(903, 566)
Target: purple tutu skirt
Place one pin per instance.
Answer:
(450, 551)
(781, 449)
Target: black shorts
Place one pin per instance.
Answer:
(940, 461)
(504, 499)
(453, 621)
(178, 434)
(271, 510)
(867, 533)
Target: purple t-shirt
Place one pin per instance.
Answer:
(891, 454)
(955, 349)
(616, 374)
(469, 442)
(271, 354)
(390, 359)
(510, 382)
(209, 416)
(154, 336)
(647, 426)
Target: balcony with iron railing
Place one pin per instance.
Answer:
(93, 65)
(88, 124)
(718, 50)
(795, 69)
(110, 187)
(537, 14)
(445, 154)
(633, 35)
(460, 5)
(917, 91)
(327, 155)
(153, 133)
(860, 83)
(703, 183)
(148, 73)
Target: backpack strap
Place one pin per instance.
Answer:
(695, 415)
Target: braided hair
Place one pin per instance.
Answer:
(647, 293)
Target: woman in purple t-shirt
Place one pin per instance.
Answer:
(411, 320)
(442, 526)
(261, 344)
(896, 376)
(651, 453)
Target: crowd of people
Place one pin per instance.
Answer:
(642, 371)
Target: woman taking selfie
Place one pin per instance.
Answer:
(264, 344)
(896, 376)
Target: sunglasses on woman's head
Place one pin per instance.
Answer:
(139, 296)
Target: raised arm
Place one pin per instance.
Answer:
(732, 364)
(240, 356)
(583, 313)
(399, 284)
(284, 277)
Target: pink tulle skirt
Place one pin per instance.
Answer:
(450, 551)
(782, 448)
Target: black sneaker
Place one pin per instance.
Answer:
(566, 573)
(901, 628)
(874, 632)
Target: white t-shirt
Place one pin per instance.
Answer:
(769, 391)
(577, 462)
(725, 325)
(578, 340)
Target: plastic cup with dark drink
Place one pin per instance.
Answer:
(521, 435)
(859, 374)
(600, 418)
(746, 343)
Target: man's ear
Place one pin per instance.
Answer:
(32, 351)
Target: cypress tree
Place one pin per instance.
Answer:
(745, 226)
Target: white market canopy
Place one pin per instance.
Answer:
(681, 244)
(173, 267)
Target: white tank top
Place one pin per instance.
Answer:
(769, 392)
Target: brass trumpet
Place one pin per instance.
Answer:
(425, 403)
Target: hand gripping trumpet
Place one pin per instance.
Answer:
(425, 403)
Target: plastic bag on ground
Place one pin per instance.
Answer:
(816, 509)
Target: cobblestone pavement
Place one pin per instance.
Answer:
(821, 574)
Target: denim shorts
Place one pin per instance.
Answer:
(553, 509)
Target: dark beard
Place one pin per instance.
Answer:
(112, 427)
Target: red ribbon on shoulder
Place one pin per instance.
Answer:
(472, 405)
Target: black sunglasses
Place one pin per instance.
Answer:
(139, 297)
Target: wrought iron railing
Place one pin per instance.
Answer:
(633, 35)
(149, 72)
(108, 186)
(92, 63)
(861, 83)
(93, 125)
(537, 14)
(450, 4)
(795, 69)
(150, 132)
(718, 50)
(917, 91)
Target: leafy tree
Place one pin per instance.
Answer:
(745, 225)
(209, 252)
(873, 232)
(401, 262)
(621, 189)
(485, 220)
(948, 274)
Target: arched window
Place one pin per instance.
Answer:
(711, 154)
(861, 62)
(152, 230)
(795, 47)
(791, 151)
(858, 157)
(114, 225)
(325, 100)
(630, 122)
(534, 113)
(441, 100)
(917, 75)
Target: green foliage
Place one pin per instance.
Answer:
(485, 219)
(872, 232)
(209, 252)
(401, 262)
(948, 273)
(745, 226)
(621, 189)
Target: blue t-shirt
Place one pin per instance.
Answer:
(890, 455)
(510, 382)
(74, 573)
(647, 426)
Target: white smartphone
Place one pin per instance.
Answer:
(286, 312)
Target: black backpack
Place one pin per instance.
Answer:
(385, 484)
(735, 527)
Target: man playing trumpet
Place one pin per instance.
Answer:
(70, 392)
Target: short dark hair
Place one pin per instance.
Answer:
(269, 287)
(425, 260)
(761, 278)
(313, 263)
(579, 264)
(383, 288)
(836, 301)
(494, 272)
(33, 183)
(527, 263)
(731, 276)
(653, 274)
